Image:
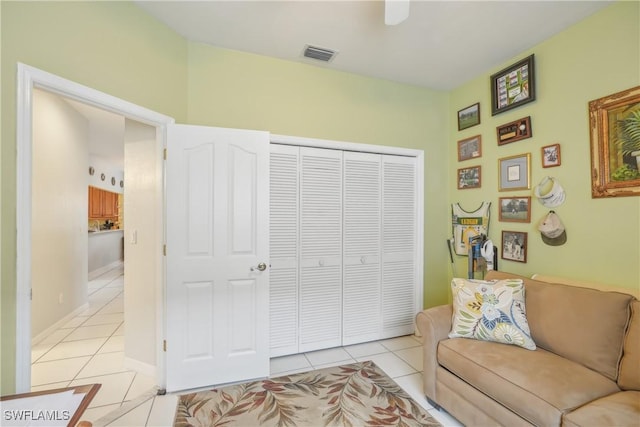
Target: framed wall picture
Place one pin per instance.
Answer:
(514, 246)
(469, 177)
(614, 121)
(470, 148)
(469, 116)
(513, 86)
(514, 209)
(551, 155)
(514, 172)
(514, 131)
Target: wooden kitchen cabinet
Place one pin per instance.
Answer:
(95, 202)
(110, 204)
(102, 204)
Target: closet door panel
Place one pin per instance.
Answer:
(398, 245)
(284, 247)
(361, 247)
(320, 248)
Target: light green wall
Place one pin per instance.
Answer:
(110, 46)
(597, 57)
(114, 47)
(240, 90)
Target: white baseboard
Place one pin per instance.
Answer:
(138, 366)
(98, 271)
(42, 335)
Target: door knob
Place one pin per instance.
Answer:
(261, 267)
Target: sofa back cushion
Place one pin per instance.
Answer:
(584, 325)
(629, 378)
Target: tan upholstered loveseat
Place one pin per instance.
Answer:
(585, 370)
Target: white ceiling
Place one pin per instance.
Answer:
(442, 44)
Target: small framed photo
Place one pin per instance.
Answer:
(469, 116)
(514, 246)
(551, 155)
(515, 172)
(513, 86)
(515, 209)
(470, 148)
(514, 131)
(469, 177)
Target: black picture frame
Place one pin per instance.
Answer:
(469, 116)
(513, 86)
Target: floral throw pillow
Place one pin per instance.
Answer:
(490, 311)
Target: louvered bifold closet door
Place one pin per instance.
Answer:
(284, 247)
(399, 245)
(361, 248)
(320, 248)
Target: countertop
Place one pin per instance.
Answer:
(105, 231)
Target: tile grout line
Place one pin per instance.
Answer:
(72, 330)
(126, 407)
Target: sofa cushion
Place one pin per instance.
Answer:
(629, 378)
(581, 324)
(618, 409)
(490, 311)
(537, 385)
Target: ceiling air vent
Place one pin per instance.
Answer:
(319, 53)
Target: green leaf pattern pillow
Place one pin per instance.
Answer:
(490, 311)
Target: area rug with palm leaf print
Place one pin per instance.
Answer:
(359, 394)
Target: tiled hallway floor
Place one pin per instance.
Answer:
(90, 349)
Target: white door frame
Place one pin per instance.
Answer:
(28, 79)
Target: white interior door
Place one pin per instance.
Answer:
(399, 239)
(361, 247)
(283, 248)
(217, 299)
(320, 249)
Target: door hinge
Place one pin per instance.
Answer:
(164, 345)
(164, 250)
(164, 153)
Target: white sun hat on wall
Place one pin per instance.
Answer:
(549, 192)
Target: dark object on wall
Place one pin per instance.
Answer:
(514, 131)
(469, 116)
(513, 86)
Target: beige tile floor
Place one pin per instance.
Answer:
(90, 349)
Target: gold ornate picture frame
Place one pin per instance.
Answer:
(514, 172)
(614, 126)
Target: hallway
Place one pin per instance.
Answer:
(90, 349)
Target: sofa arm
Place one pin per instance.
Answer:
(434, 325)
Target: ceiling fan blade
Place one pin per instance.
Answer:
(395, 11)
